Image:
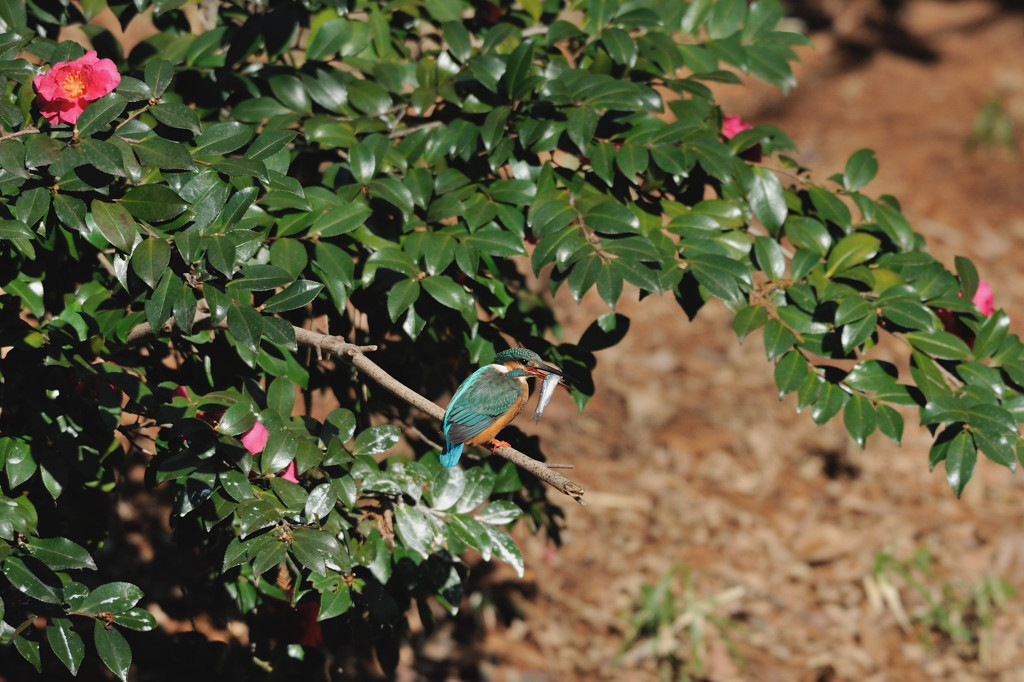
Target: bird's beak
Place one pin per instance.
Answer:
(541, 370)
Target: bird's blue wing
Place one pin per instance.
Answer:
(477, 405)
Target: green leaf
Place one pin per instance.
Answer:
(401, 297)
(14, 229)
(246, 325)
(150, 259)
(66, 643)
(159, 73)
(517, 74)
(176, 115)
(238, 418)
(831, 399)
(376, 439)
(99, 114)
(479, 484)
(315, 548)
(720, 275)
(289, 91)
(269, 142)
(33, 578)
(340, 220)
(163, 154)
(32, 205)
(447, 487)
(850, 251)
(790, 372)
(113, 649)
(611, 217)
(136, 618)
(890, 422)
(335, 603)
(859, 418)
(725, 17)
(414, 529)
(830, 207)
(161, 304)
(289, 255)
(991, 334)
(394, 192)
(808, 233)
(909, 314)
(499, 513)
(295, 295)
(222, 138)
(620, 46)
(961, 458)
(968, 276)
(749, 319)
(770, 257)
(320, 501)
(344, 421)
(115, 224)
(369, 97)
(504, 547)
(220, 252)
(115, 598)
(861, 169)
(155, 203)
(941, 345)
(445, 291)
(581, 127)
(60, 553)
(767, 199)
(632, 160)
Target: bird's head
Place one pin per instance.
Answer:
(525, 360)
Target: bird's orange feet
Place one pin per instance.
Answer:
(495, 444)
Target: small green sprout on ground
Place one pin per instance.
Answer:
(946, 614)
(675, 629)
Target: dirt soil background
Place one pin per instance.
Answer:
(690, 459)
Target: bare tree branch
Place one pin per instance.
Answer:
(355, 355)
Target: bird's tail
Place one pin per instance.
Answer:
(451, 453)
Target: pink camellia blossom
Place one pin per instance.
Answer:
(63, 92)
(733, 126)
(984, 299)
(255, 439)
(289, 472)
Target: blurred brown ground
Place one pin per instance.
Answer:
(689, 457)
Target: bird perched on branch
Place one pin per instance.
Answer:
(489, 399)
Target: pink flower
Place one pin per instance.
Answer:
(733, 126)
(984, 299)
(255, 439)
(289, 472)
(63, 92)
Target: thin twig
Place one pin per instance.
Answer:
(18, 133)
(354, 355)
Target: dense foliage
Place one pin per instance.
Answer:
(388, 173)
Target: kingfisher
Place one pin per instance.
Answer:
(489, 399)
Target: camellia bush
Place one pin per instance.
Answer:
(248, 254)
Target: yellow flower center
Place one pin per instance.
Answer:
(73, 85)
